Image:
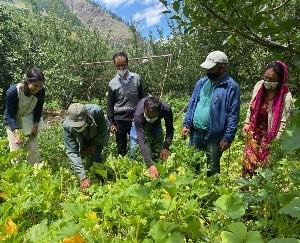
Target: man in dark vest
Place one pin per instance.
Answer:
(124, 92)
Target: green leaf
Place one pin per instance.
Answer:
(239, 229)
(228, 237)
(176, 6)
(293, 208)
(164, 2)
(253, 237)
(160, 229)
(174, 238)
(37, 232)
(287, 240)
(230, 205)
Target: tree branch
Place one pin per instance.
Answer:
(274, 9)
(251, 35)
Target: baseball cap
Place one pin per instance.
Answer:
(213, 58)
(76, 115)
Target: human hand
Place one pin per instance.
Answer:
(224, 145)
(34, 129)
(185, 132)
(246, 128)
(113, 128)
(153, 172)
(18, 136)
(85, 183)
(164, 154)
(90, 150)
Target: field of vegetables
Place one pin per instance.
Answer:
(44, 203)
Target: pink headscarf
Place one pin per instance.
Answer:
(277, 107)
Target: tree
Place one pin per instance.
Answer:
(272, 24)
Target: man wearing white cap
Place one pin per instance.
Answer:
(86, 132)
(213, 111)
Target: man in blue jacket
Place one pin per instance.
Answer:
(86, 132)
(213, 111)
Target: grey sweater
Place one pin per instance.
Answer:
(122, 98)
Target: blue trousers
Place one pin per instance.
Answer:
(154, 139)
(125, 128)
(199, 140)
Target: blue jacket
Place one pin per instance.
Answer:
(224, 111)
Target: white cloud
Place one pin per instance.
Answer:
(151, 15)
(116, 3)
(148, 2)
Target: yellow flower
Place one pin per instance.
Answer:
(10, 227)
(92, 215)
(74, 239)
(166, 195)
(172, 178)
(162, 217)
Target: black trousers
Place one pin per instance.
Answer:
(122, 134)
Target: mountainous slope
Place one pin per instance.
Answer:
(84, 12)
(94, 17)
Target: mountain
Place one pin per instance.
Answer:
(85, 12)
(94, 17)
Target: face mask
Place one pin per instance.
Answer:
(151, 120)
(212, 76)
(270, 85)
(80, 129)
(122, 73)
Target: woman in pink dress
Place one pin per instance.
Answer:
(266, 118)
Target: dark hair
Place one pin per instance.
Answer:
(278, 69)
(152, 103)
(120, 54)
(34, 74)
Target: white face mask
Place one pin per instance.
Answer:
(123, 72)
(80, 129)
(270, 85)
(151, 120)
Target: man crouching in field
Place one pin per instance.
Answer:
(147, 117)
(86, 132)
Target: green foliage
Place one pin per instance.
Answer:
(266, 23)
(293, 208)
(239, 234)
(291, 137)
(43, 203)
(230, 205)
(52, 43)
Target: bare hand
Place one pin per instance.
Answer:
(246, 128)
(185, 132)
(153, 172)
(113, 128)
(34, 129)
(224, 145)
(164, 154)
(85, 183)
(90, 150)
(18, 136)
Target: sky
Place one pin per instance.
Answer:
(147, 13)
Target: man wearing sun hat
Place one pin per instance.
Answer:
(212, 115)
(86, 132)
